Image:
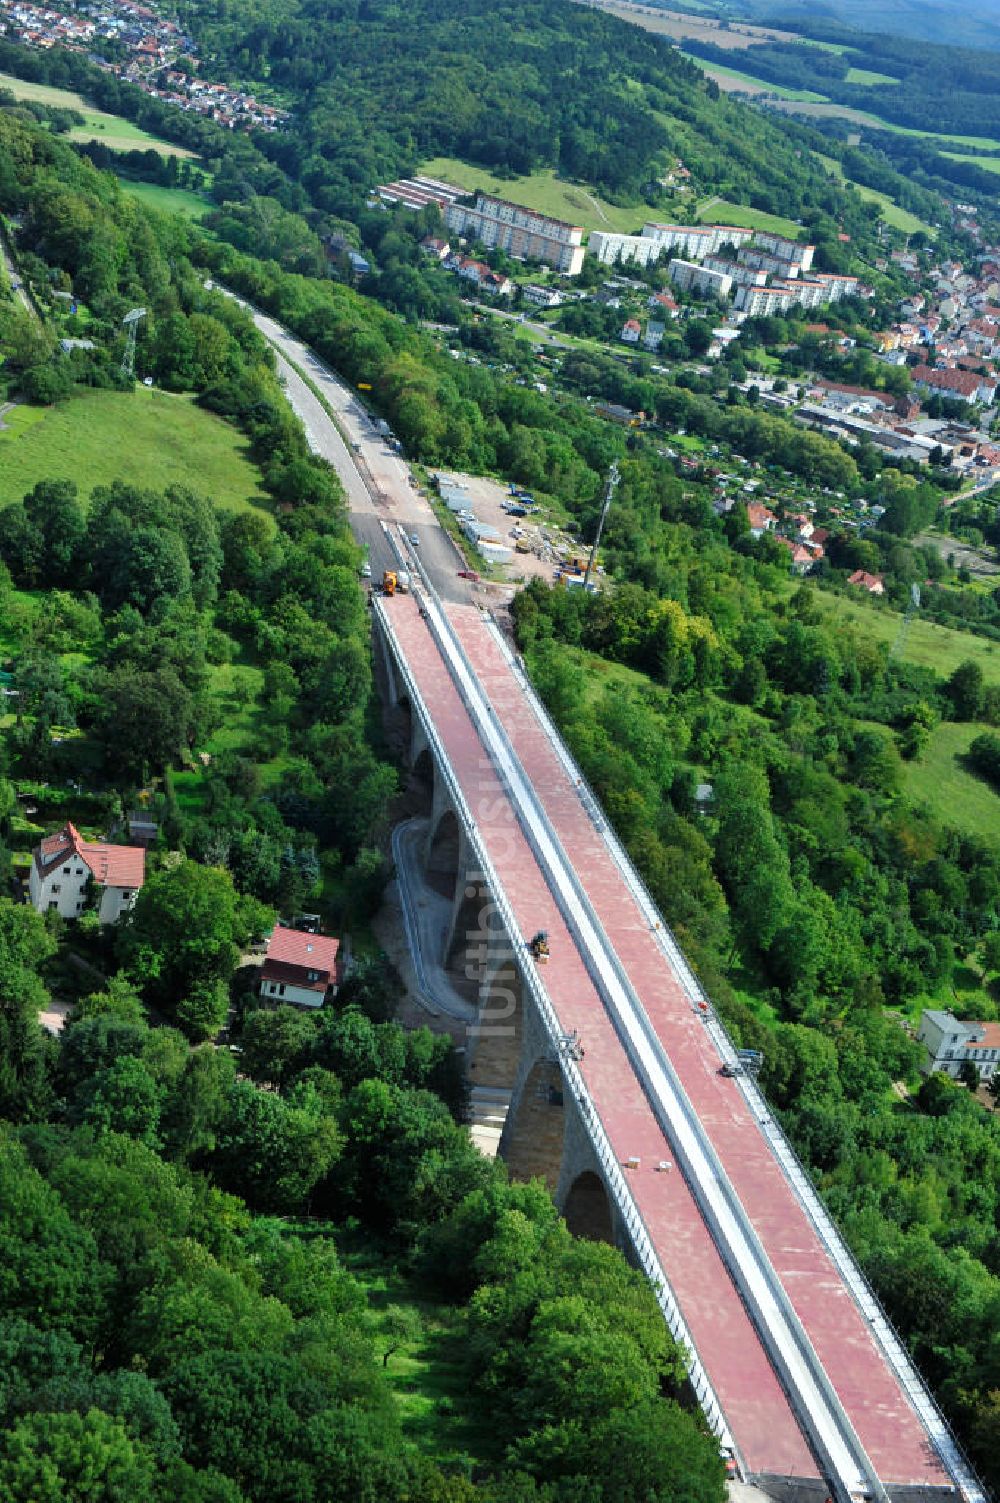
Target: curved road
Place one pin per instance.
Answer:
(376, 480)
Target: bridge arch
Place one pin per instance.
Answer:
(422, 777)
(587, 1211)
(444, 854)
(532, 1143)
(495, 1039)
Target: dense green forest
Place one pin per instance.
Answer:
(576, 91)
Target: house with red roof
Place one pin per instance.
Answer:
(800, 557)
(952, 1041)
(64, 868)
(760, 519)
(299, 968)
(873, 583)
(966, 385)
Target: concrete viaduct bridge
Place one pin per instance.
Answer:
(612, 1056)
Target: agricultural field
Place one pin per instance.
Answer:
(988, 164)
(113, 131)
(733, 81)
(148, 438)
(830, 110)
(169, 200)
(736, 37)
(544, 192)
(867, 76)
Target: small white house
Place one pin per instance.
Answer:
(299, 968)
(64, 864)
(949, 1042)
(542, 297)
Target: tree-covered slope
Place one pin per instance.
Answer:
(377, 88)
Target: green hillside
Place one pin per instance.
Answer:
(149, 438)
(513, 89)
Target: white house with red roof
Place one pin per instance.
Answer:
(949, 1042)
(299, 968)
(64, 864)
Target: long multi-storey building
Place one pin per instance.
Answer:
(695, 240)
(762, 302)
(761, 260)
(836, 285)
(612, 249)
(742, 276)
(806, 292)
(786, 250)
(520, 232)
(690, 277)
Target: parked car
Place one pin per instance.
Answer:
(469, 574)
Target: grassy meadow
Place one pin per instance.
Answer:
(115, 132)
(169, 200)
(953, 794)
(544, 192)
(148, 437)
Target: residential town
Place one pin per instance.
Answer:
(947, 336)
(159, 59)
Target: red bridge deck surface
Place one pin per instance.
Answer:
(756, 1409)
(885, 1421)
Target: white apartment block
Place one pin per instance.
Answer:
(743, 276)
(807, 293)
(949, 1042)
(836, 285)
(690, 277)
(695, 240)
(613, 250)
(759, 260)
(520, 232)
(785, 250)
(762, 302)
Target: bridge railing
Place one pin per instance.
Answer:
(864, 1296)
(614, 1176)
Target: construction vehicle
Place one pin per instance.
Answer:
(389, 582)
(539, 947)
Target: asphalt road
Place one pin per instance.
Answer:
(15, 278)
(379, 488)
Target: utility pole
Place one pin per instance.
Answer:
(896, 649)
(609, 491)
(130, 321)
